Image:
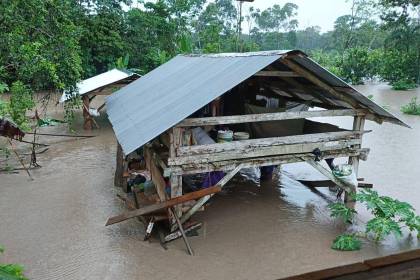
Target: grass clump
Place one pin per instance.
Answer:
(412, 108)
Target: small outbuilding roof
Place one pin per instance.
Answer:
(170, 93)
(9, 129)
(99, 81)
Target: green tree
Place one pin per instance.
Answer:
(39, 44)
(401, 20)
(276, 19)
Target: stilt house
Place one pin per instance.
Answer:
(266, 94)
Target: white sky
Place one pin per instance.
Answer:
(311, 12)
(322, 13)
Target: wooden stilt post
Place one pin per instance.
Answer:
(87, 117)
(176, 180)
(119, 170)
(204, 199)
(358, 125)
(181, 229)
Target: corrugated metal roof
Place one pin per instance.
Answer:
(170, 93)
(165, 96)
(98, 81)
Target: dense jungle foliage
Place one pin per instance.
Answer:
(52, 44)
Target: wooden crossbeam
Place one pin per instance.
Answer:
(265, 151)
(262, 161)
(268, 142)
(327, 173)
(268, 117)
(314, 79)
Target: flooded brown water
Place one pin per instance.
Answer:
(54, 225)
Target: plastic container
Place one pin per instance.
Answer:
(240, 136)
(224, 136)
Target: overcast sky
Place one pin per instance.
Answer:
(311, 12)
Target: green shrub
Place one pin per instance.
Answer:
(412, 108)
(403, 85)
(11, 271)
(339, 210)
(346, 242)
(390, 216)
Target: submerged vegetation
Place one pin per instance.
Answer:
(346, 242)
(11, 271)
(390, 216)
(412, 108)
(51, 45)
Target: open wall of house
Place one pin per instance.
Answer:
(274, 130)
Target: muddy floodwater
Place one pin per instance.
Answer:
(54, 225)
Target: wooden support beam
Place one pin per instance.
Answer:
(309, 91)
(262, 161)
(178, 234)
(162, 205)
(119, 170)
(204, 199)
(101, 107)
(268, 117)
(277, 74)
(265, 151)
(314, 79)
(155, 173)
(176, 180)
(181, 229)
(327, 173)
(88, 120)
(268, 142)
(358, 125)
(329, 183)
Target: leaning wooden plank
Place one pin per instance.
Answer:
(264, 151)
(177, 234)
(156, 174)
(268, 142)
(261, 161)
(268, 117)
(163, 205)
(329, 183)
(327, 173)
(204, 199)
